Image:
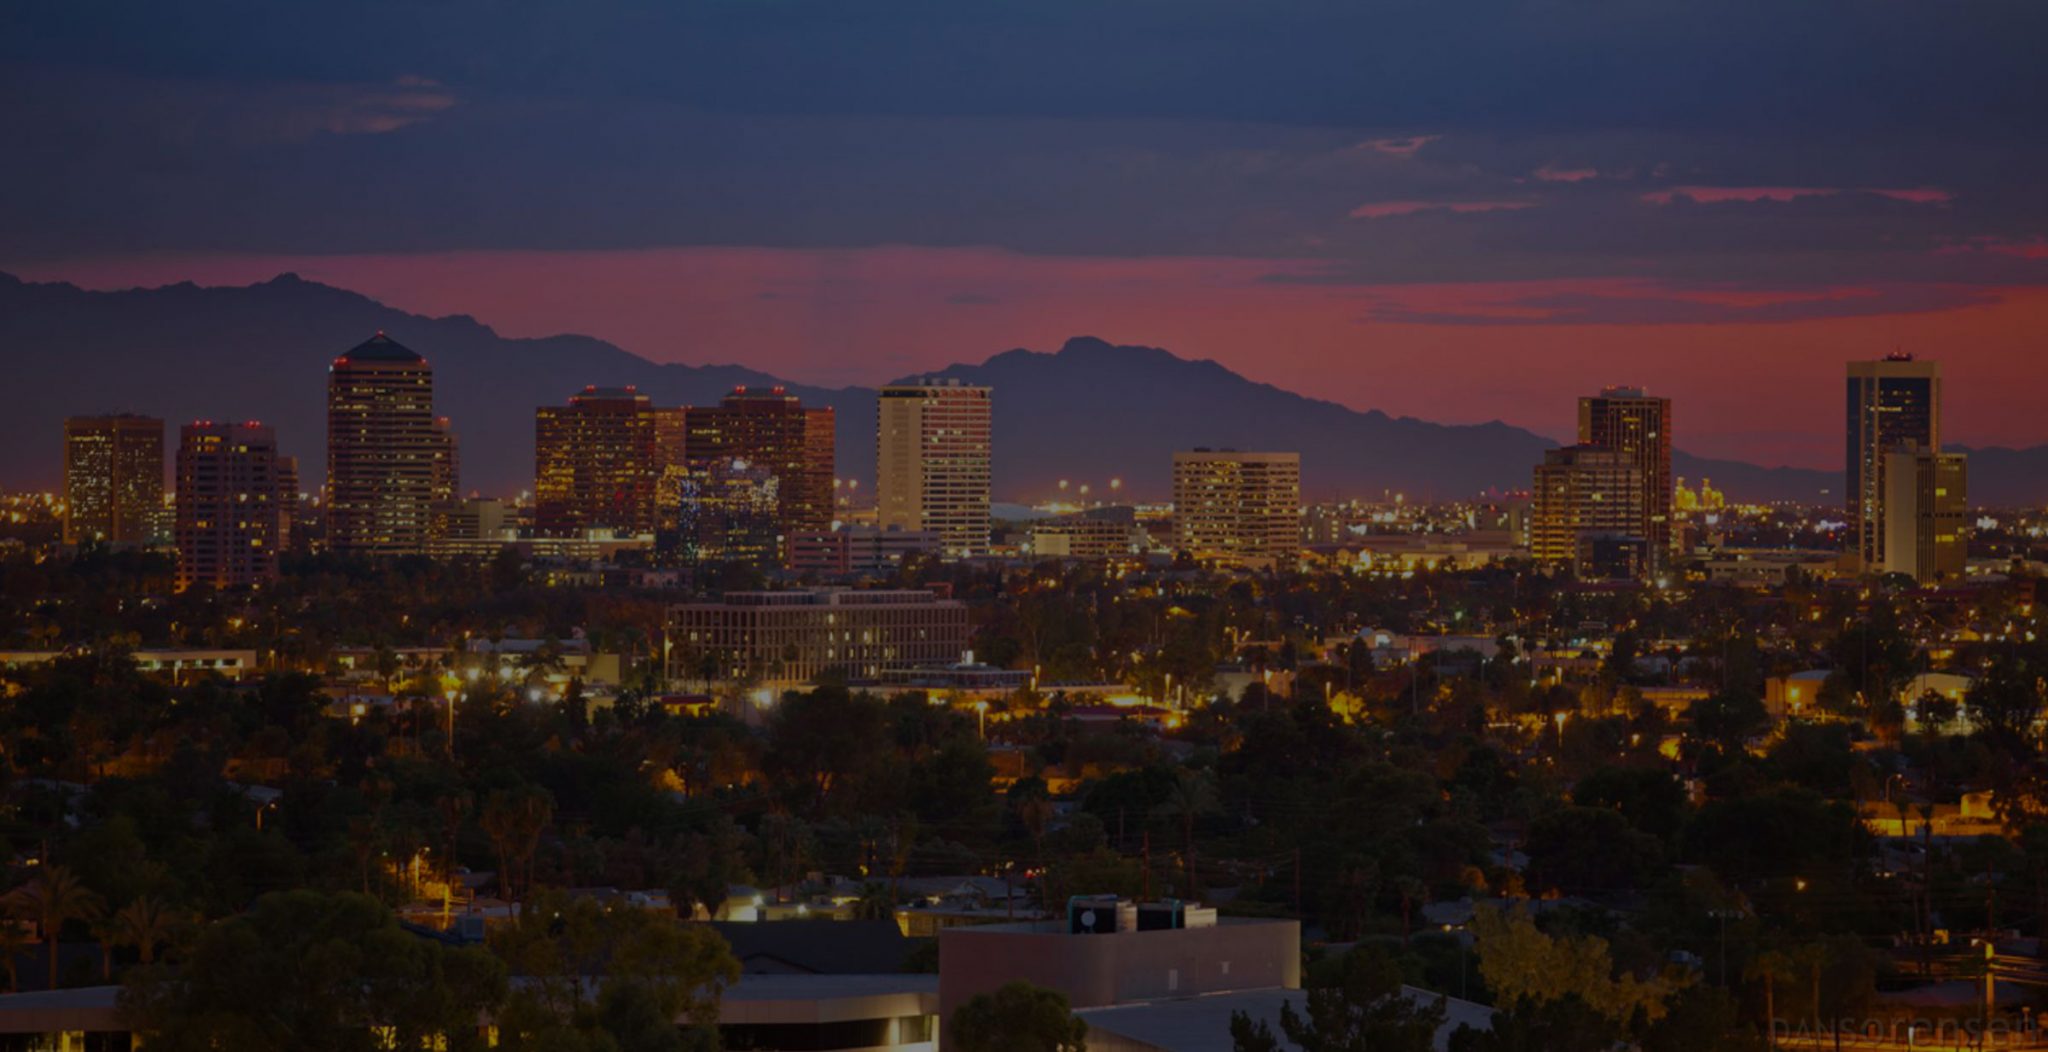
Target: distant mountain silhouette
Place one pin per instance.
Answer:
(1089, 412)
(184, 352)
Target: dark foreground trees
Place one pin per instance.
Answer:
(324, 973)
(1018, 1017)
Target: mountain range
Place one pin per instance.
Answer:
(1088, 412)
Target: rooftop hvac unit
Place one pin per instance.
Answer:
(1100, 915)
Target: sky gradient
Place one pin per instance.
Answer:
(1455, 211)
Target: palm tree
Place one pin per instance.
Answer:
(875, 902)
(515, 819)
(1193, 794)
(52, 899)
(1767, 968)
(11, 943)
(145, 924)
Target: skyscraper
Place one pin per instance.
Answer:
(114, 480)
(230, 522)
(932, 462)
(447, 461)
(1893, 402)
(1926, 500)
(1238, 509)
(597, 461)
(725, 511)
(1630, 422)
(1586, 512)
(387, 455)
(774, 431)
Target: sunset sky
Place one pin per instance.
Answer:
(1459, 211)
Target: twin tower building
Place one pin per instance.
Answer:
(1603, 508)
(741, 480)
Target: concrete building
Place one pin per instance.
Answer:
(1632, 423)
(387, 454)
(114, 480)
(480, 527)
(1098, 533)
(1119, 962)
(826, 1013)
(1893, 402)
(597, 462)
(230, 518)
(933, 451)
(859, 549)
(795, 637)
(1584, 501)
(773, 430)
(1926, 506)
(1238, 509)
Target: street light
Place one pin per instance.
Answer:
(452, 694)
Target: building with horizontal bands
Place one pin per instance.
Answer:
(1237, 509)
(932, 463)
(114, 480)
(230, 516)
(859, 549)
(797, 636)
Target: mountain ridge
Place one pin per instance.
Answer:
(184, 351)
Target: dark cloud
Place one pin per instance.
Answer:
(1481, 141)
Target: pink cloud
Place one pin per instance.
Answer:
(1712, 195)
(1402, 148)
(1550, 173)
(1387, 209)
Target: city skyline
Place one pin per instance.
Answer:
(1327, 197)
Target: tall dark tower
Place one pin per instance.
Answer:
(1894, 403)
(385, 450)
(1629, 422)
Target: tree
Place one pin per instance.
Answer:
(875, 902)
(1365, 1010)
(1582, 850)
(1192, 795)
(144, 924)
(1521, 963)
(1018, 1017)
(647, 966)
(52, 899)
(514, 819)
(323, 973)
(1730, 717)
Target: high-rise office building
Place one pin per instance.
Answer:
(387, 454)
(1894, 402)
(597, 461)
(1586, 513)
(1926, 503)
(447, 461)
(114, 480)
(1628, 421)
(287, 502)
(773, 430)
(933, 451)
(723, 511)
(1238, 509)
(230, 522)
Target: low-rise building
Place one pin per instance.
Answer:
(859, 549)
(796, 636)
